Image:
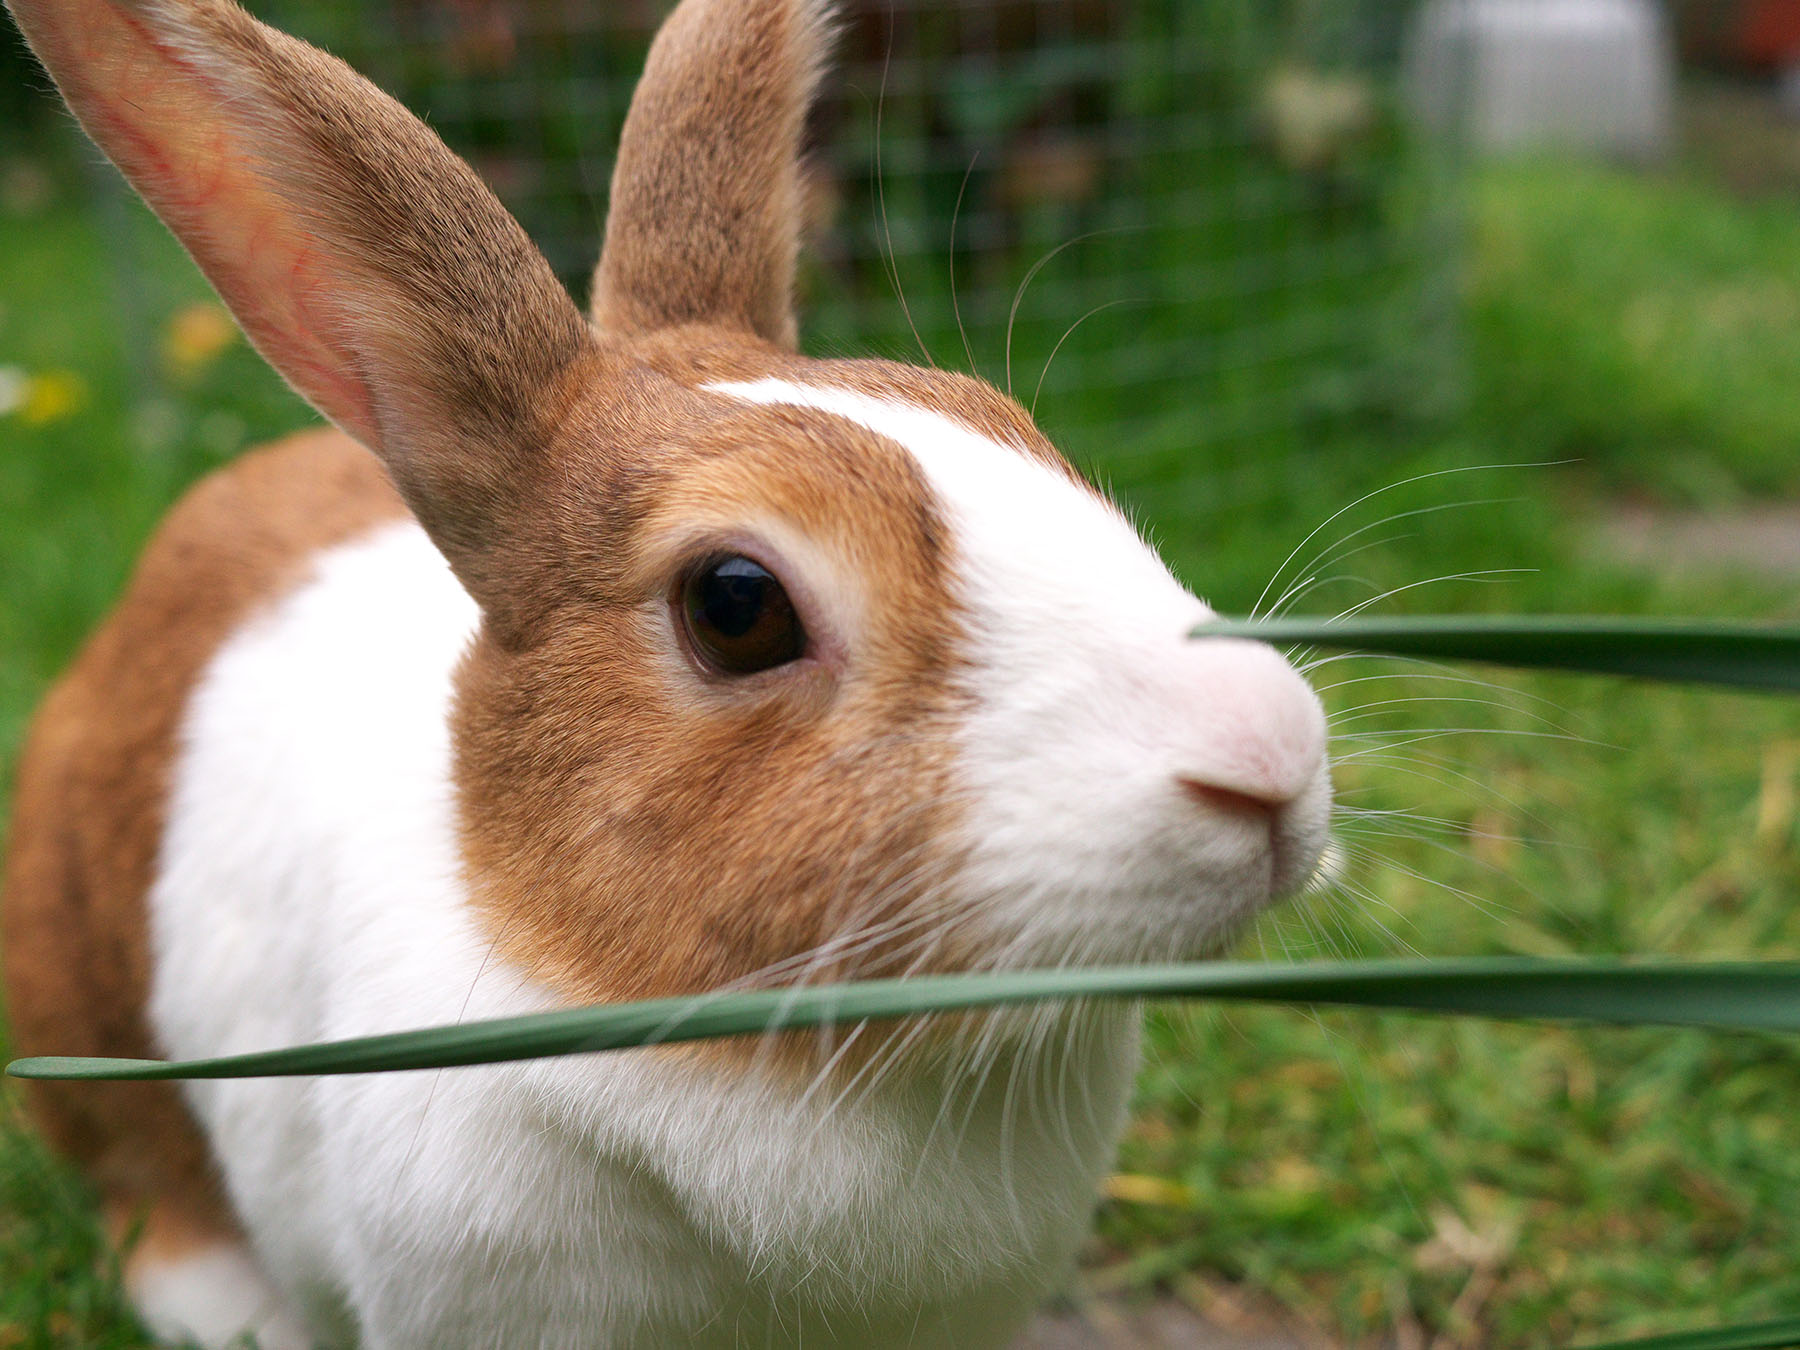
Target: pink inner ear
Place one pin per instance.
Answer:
(185, 141)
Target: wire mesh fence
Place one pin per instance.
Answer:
(1156, 220)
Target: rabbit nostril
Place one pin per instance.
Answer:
(1231, 801)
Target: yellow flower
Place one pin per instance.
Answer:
(1142, 1190)
(50, 396)
(195, 336)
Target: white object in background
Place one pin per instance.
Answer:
(1520, 74)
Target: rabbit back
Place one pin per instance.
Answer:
(90, 810)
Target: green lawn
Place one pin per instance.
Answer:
(1506, 1185)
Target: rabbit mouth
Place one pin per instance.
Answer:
(1179, 887)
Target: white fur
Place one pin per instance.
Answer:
(212, 1297)
(1094, 704)
(308, 888)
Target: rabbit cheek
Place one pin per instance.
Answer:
(666, 846)
(636, 827)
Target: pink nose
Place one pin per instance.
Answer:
(1248, 731)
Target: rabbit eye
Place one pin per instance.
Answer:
(739, 618)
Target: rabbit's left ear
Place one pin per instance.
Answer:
(366, 261)
(707, 194)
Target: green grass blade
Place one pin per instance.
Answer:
(1780, 1334)
(1745, 655)
(1760, 996)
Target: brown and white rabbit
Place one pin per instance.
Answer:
(597, 658)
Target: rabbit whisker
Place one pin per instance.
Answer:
(1069, 332)
(890, 257)
(1380, 491)
(955, 302)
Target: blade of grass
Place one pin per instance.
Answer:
(1745, 655)
(1761, 996)
(1780, 1334)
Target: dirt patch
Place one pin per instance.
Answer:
(1736, 133)
(1165, 1324)
(1764, 540)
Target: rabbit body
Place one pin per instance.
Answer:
(640, 1200)
(594, 658)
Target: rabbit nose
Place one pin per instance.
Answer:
(1232, 801)
(1250, 734)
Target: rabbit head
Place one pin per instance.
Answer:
(784, 665)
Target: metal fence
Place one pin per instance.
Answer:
(1156, 219)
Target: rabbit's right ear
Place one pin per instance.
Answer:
(368, 263)
(707, 193)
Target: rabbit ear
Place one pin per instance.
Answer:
(368, 263)
(707, 194)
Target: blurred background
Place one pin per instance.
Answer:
(1512, 285)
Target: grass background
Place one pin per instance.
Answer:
(1383, 1177)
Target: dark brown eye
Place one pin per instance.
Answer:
(739, 618)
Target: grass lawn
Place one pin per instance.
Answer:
(1499, 1185)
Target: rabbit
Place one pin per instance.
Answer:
(596, 657)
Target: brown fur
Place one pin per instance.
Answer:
(630, 826)
(708, 192)
(91, 788)
(635, 830)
